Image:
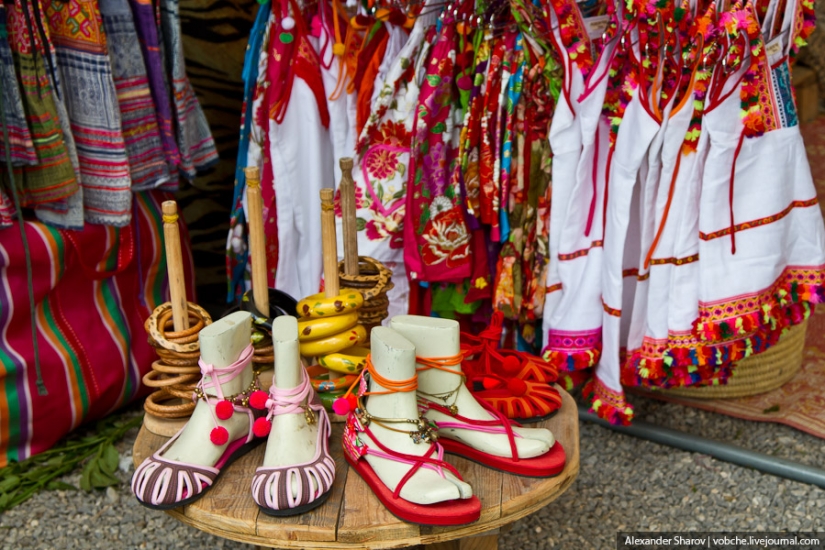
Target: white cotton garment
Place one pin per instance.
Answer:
(302, 157)
(622, 233)
(565, 143)
(341, 125)
(573, 326)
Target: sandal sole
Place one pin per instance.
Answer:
(298, 509)
(498, 463)
(242, 450)
(437, 514)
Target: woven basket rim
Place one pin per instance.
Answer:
(759, 373)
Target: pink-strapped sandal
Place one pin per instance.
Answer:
(450, 512)
(547, 465)
(314, 478)
(161, 483)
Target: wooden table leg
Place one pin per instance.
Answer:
(483, 542)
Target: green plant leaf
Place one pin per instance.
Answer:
(99, 478)
(109, 459)
(60, 486)
(360, 224)
(9, 483)
(86, 477)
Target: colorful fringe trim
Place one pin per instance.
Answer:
(570, 352)
(707, 357)
(608, 404)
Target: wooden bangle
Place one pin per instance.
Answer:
(165, 368)
(334, 343)
(160, 339)
(153, 379)
(312, 329)
(318, 305)
(349, 361)
(153, 405)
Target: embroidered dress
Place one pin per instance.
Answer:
(436, 238)
(236, 245)
(53, 178)
(669, 353)
(146, 26)
(564, 137)
(17, 131)
(574, 337)
(381, 162)
(147, 164)
(195, 143)
(80, 42)
(301, 151)
(260, 154)
(66, 213)
(762, 241)
(638, 126)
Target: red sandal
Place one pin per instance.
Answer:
(516, 384)
(446, 513)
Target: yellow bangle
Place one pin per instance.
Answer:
(312, 329)
(334, 343)
(317, 305)
(349, 361)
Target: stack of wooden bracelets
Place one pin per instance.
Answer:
(176, 373)
(373, 282)
(329, 330)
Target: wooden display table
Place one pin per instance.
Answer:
(354, 518)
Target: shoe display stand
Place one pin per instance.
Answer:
(354, 518)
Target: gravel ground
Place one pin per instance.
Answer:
(624, 484)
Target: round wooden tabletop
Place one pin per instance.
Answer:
(353, 517)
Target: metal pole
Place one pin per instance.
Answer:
(717, 449)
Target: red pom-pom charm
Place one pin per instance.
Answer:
(341, 406)
(219, 435)
(517, 387)
(261, 427)
(511, 365)
(258, 399)
(224, 410)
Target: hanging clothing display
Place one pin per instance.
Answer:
(86, 96)
(623, 182)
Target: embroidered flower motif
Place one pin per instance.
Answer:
(381, 163)
(390, 133)
(446, 235)
(390, 227)
(435, 165)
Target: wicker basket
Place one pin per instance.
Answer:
(759, 373)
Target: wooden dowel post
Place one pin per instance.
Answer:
(174, 266)
(257, 240)
(329, 244)
(347, 190)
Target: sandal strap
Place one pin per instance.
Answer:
(501, 425)
(416, 462)
(291, 400)
(218, 376)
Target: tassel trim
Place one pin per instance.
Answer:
(706, 356)
(607, 403)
